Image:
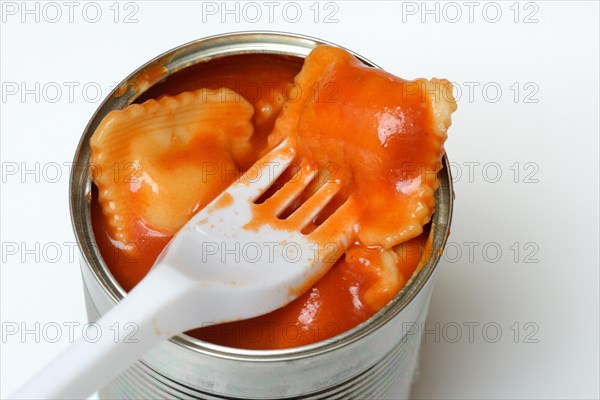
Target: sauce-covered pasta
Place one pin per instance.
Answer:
(191, 136)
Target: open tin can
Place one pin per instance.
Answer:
(375, 360)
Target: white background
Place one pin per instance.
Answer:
(542, 292)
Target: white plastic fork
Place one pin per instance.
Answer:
(233, 260)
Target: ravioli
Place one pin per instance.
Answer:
(381, 135)
(159, 162)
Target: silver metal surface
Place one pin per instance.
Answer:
(372, 360)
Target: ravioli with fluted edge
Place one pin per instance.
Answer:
(156, 159)
(383, 136)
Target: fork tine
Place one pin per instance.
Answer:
(263, 173)
(313, 206)
(339, 225)
(292, 189)
(335, 234)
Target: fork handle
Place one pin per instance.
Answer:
(88, 365)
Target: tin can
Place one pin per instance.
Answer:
(375, 360)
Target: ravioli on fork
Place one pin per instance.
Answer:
(380, 133)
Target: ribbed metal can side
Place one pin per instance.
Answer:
(390, 377)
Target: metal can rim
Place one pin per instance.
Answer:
(229, 44)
